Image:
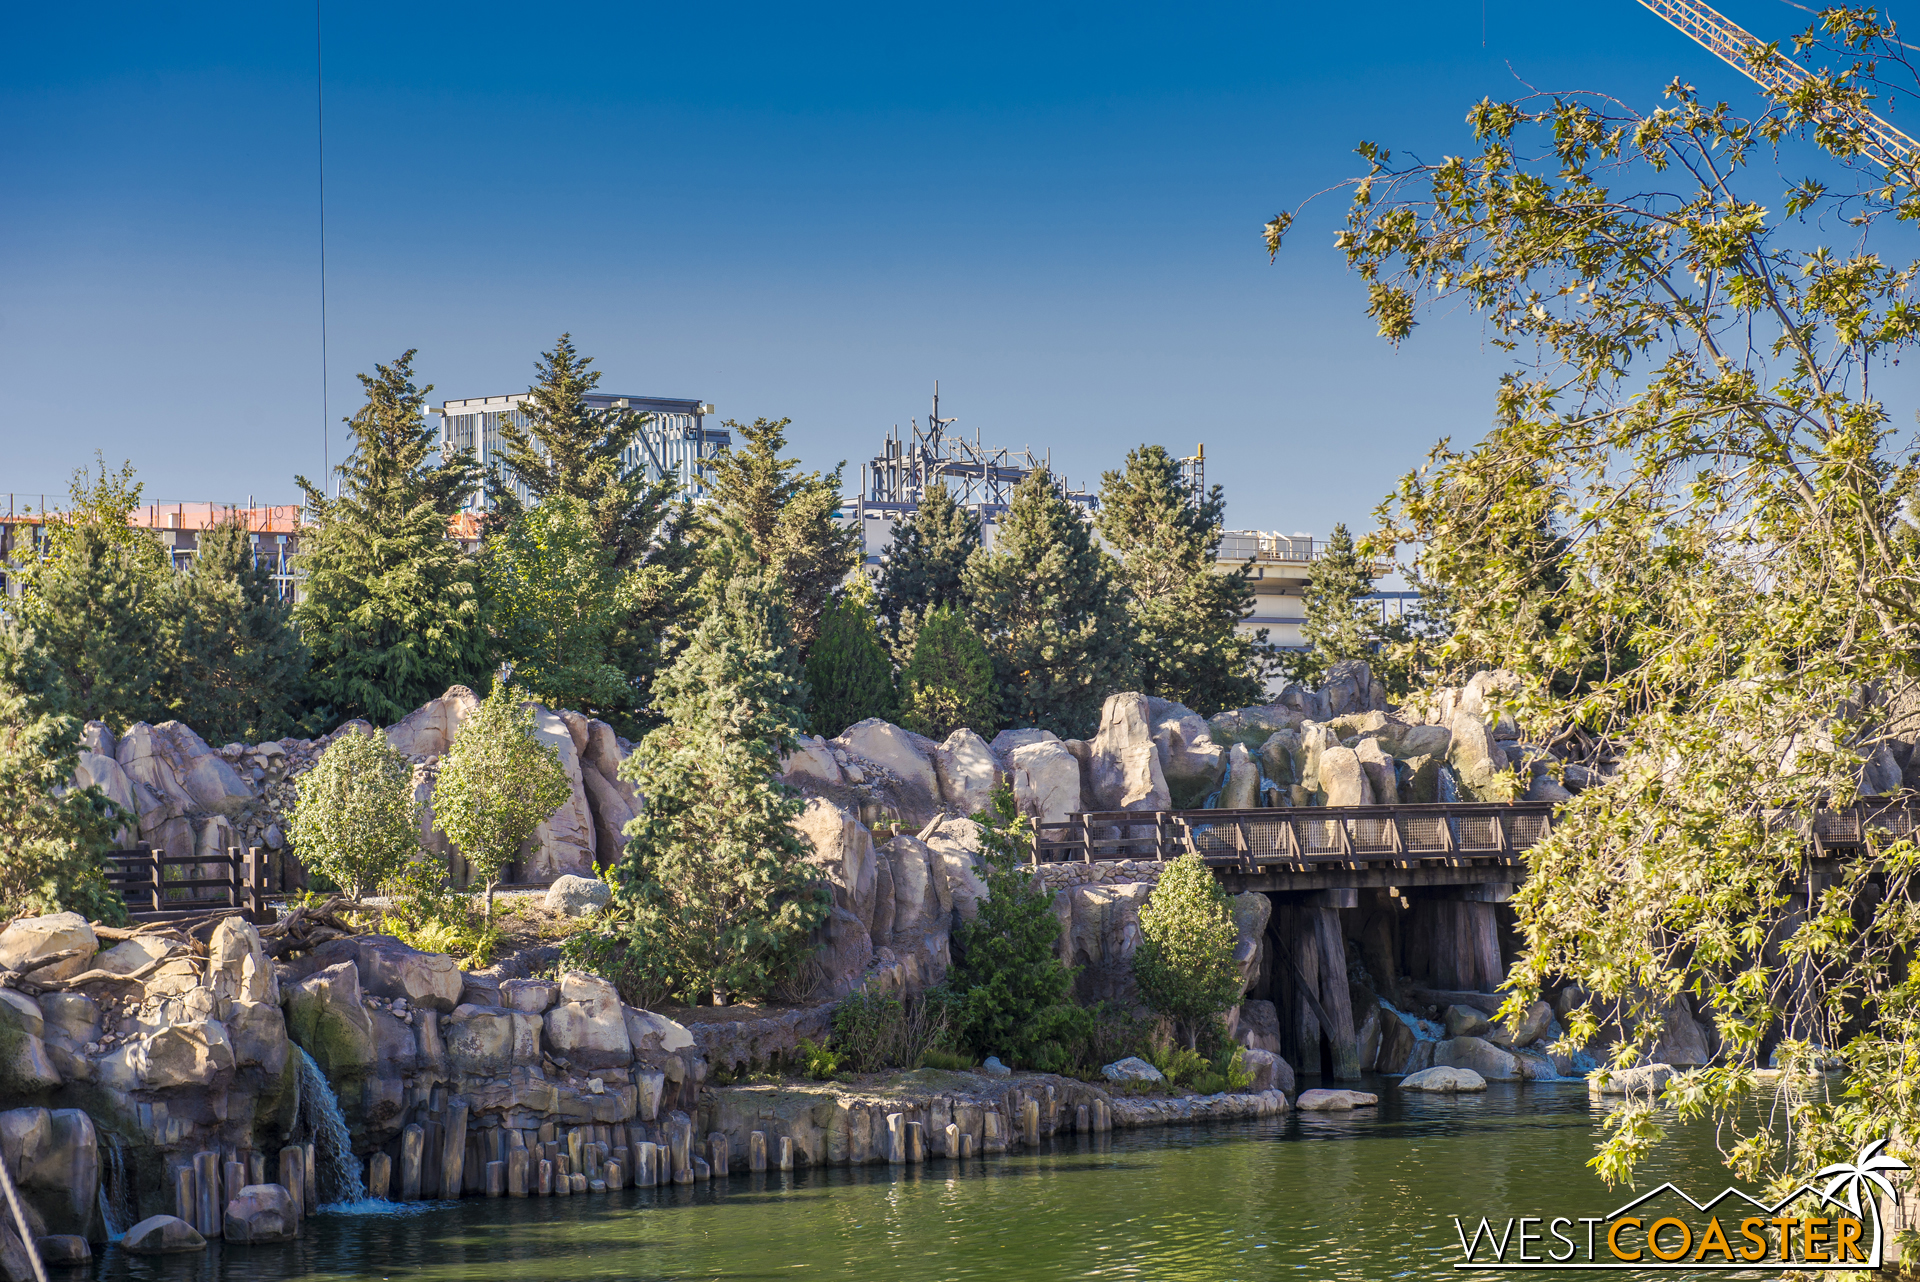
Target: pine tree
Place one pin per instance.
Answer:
(714, 880)
(239, 666)
(1048, 603)
(1182, 609)
(556, 603)
(1339, 624)
(948, 683)
(98, 600)
(849, 670)
(497, 784)
(924, 563)
(51, 832)
(1015, 993)
(391, 608)
(765, 516)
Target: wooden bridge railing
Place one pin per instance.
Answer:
(1303, 837)
(157, 886)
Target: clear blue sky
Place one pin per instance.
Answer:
(803, 211)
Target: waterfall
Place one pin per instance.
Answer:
(339, 1170)
(117, 1211)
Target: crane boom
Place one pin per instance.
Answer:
(1729, 41)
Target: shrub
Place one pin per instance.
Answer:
(875, 1032)
(355, 820)
(1014, 989)
(430, 915)
(819, 1063)
(1184, 966)
(498, 783)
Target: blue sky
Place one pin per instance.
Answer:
(1053, 208)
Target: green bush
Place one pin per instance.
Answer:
(1016, 994)
(875, 1032)
(819, 1063)
(1184, 965)
(848, 669)
(634, 962)
(948, 681)
(355, 818)
(428, 914)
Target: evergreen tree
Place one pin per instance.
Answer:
(924, 563)
(1184, 966)
(51, 832)
(1015, 993)
(848, 668)
(391, 608)
(1049, 605)
(1183, 611)
(764, 516)
(498, 783)
(714, 880)
(98, 599)
(238, 665)
(1339, 624)
(556, 601)
(948, 683)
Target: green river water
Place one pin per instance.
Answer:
(1366, 1196)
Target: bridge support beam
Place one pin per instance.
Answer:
(1310, 981)
(1455, 943)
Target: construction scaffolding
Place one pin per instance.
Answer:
(979, 478)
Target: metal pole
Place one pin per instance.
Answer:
(20, 1218)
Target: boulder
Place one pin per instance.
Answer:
(967, 772)
(842, 849)
(1380, 770)
(1253, 726)
(1444, 1080)
(1478, 1054)
(1479, 763)
(1334, 1101)
(587, 1025)
(1343, 780)
(238, 967)
(564, 840)
(907, 756)
(1123, 768)
(1104, 937)
(612, 812)
(21, 1011)
(1242, 791)
(1683, 1040)
(653, 1034)
(1007, 740)
(428, 730)
(1398, 739)
(1259, 1027)
(488, 1041)
(1191, 762)
(1251, 913)
(578, 896)
(63, 1250)
(954, 847)
(1270, 1071)
(1282, 761)
(31, 938)
(261, 1213)
(97, 737)
(191, 1053)
(54, 1156)
(328, 1019)
(162, 1235)
(529, 996)
(1466, 1021)
(216, 786)
(1046, 780)
(811, 762)
(388, 968)
(1646, 1079)
(100, 770)
(918, 904)
(1131, 1069)
(130, 955)
(25, 1067)
(257, 1034)
(1350, 687)
(1533, 1024)
(994, 1068)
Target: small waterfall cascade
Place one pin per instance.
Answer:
(117, 1210)
(321, 1119)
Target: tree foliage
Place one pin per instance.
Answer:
(714, 885)
(1184, 965)
(390, 609)
(238, 665)
(1339, 624)
(354, 819)
(1049, 605)
(925, 562)
(1690, 409)
(948, 683)
(497, 783)
(849, 670)
(556, 602)
(764, 516)
(1182, 610)
(1016, 996)
(52, 833)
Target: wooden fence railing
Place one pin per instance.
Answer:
(1304, 837)
(158, 886)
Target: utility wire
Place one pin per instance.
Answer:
(320, 133)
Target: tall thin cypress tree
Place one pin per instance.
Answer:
(391, 607)
(1048, 603)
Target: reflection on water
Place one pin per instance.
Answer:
(1363, 1196)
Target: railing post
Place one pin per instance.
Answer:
(256, 882)
(233, 876)
(159, 870)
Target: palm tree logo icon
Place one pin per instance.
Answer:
(1868, 1168)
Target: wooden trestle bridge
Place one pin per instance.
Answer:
(1465, 844)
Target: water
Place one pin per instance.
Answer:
(1335, 1197)
(338, 1170)
(116, 1192)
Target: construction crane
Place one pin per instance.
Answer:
(1730, 42)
